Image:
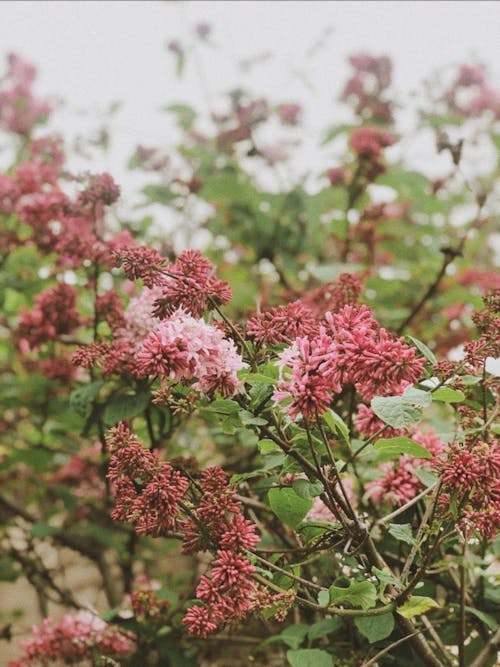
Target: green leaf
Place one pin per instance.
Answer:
(288, 506)
(81, 399)
(267, 446)
(248, 419)
(426, 476)
(375, 628)
(416, 605)
(389, 449)
(336, 424)
(385, 578)
(324, 627)
(159, 194)
(422, 347)
(334, 131)
(186, 115)
(309, 657)
(36, 459)
(257, 378)
(223, 406)
(324, 598)
(448, 395)
(359, 594)
(417, 397)
(306, 489)
(124, 406)
(485, 618)
(9, 570)
(402, 532)
(395, 411)
(44, 529)
(294, 635)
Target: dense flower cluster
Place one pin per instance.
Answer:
(75, 637)
(367, 143)
(218, 518)
(141, 262)
(218, 523)
(20, 110)
(352, 349)
(487, 322)
(333, 296)
(308, 376)
(471, 475)
(399, 482)
(147, 491)
(281, 324)
(367, 87)
(190, 283)
(471, 94)
(53, 315)
(183, 347)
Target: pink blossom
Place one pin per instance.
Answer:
(289, 114)
(141, 262)
(75, 637)
(190, 283)
(337, 176)
(147, 490)
(309, 376)
(368, 142)
(53, 314)
(471, 75)
(398, 484)
(333, 296)
(20, 110)
(101, 189)
(138, 318)
(282, 324)
(183, 347)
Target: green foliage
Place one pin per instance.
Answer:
(309, 657)
(396, 411)
(375, 628)
(389, 449)
(416, 606)
(289, 506)
(358, 594)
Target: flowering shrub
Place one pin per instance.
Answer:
(307, 413)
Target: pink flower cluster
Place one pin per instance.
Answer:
(321, 512)
(183, 347)
(367, 87)
(218, 523)
(75, 637)
(20, 110)
(470, 94)
(333, 296)
(141, 262)
(53, 315)
(367, 143)
(308, 376)
(471, 474)
(70, 227)
(351, 348)
(190, 283)
(138, 319)
(147, 491)
(282, 324)
(399, 484)
(289, 114)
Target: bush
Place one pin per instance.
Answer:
(308, 411)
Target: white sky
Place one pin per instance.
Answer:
(91, 53)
